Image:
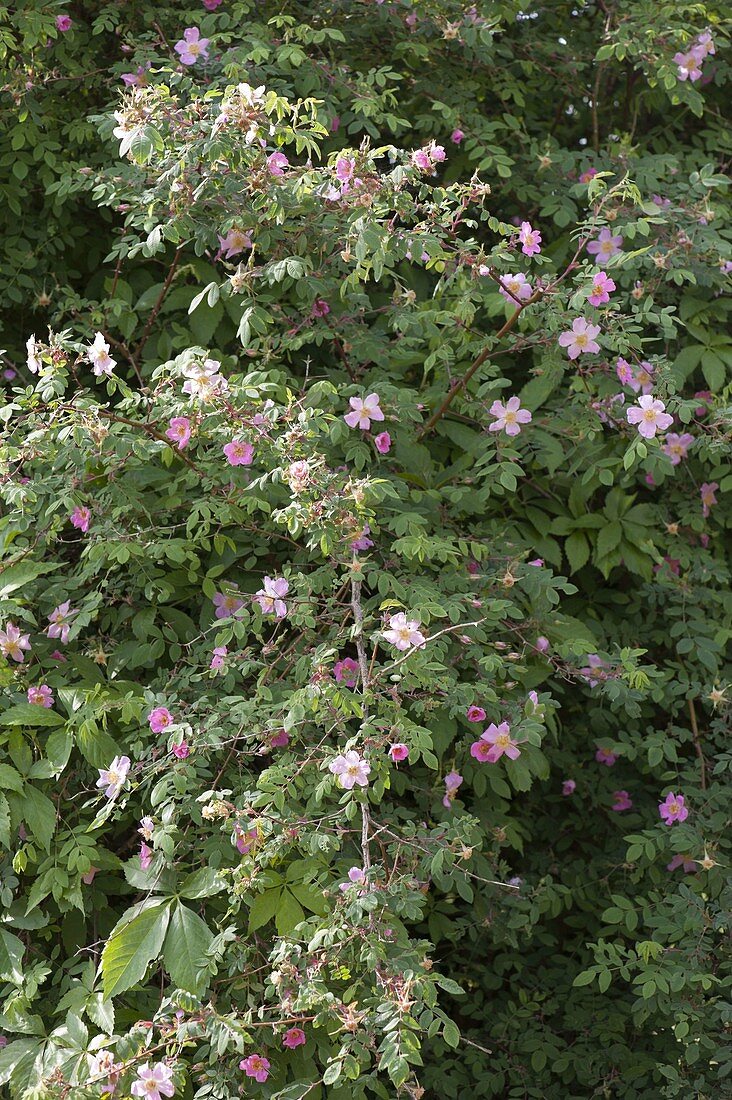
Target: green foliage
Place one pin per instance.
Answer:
(504, 937)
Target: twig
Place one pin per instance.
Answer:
(158, 304)
(445, 630)
(697, 743)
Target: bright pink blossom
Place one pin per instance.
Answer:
(63, 23)
(356, 877)
(153, 1081)
(624, 372)
(350, 769)
(399, 752)
(602, 287)
(179, 431)
(382, 442)
(495, 742)
(346, 671)
(606, 246)
(81, 518)
(677, 446)
(404, 633)
(218, 658)
(212, 5)
(41, 696)
(293, 1037)
(707, 492)
(180, 750)
(580, 339)
(649, 415)
(271, 598)
(191, 46)
(530, 239)
(239, 453)
(276, 164)
(279, 740)
(622, 802)
(515, 286)
(509, 417)
(457, 136)
(344, 169)
(673, 809)
(159, 718)
(364, 411)
(475, 714)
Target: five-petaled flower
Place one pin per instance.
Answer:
(495, 742)
(606, 246)
(530, 239)
(191, 46)
(239, 453)
(41, 696)
(453, 782)
(364, 411)
(179, 431)
(649, 415)
(271, 598)
(580, 339)
(509, 417)
(276, 164)
(293, 1037)
(160, 718)
(350, 769)
(514, 287)
(404, 633)
(13, 642)
(255, 1066)
(81, 518)
(622, 802)
(227, 603)
(153, 1081)
(602, 287)
(677, 446)
(673, 809)
(99, 357)
(707, 492)
(235, 241)
(112, 779)
(604, 756)
(60, 620)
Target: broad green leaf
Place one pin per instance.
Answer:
(136, 941)
(202, 883)
(39, 814)
(187, 940)
(30, 714)
(11, 957)
(263, 908)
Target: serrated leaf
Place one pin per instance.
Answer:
(136, 940)
(186, 942)
(263, 908)
(30, 714)
(39, 814)
(202, 883)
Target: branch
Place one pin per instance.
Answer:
(697, 743)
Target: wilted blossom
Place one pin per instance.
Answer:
(399, 752)
(595, 670)
(515, 286)
(34, 361)
(203, 380)
(530, 239)
(622, 802)
(320, 308)
(244, 839)
(624, 372)
(456, 136)
(602, 287)
(41, 696)
(271, 597)
(346, 671)
(146, 856)
(680, 860)
(153, 1081)
(279, 740)
(509, 417)
(673, 809)
(179, 431)
(276, 164)
(159, 718)
(81, 518)
(580, 339)
(239, 453)
(298, 475)
(606, 246)
(235, 241)
(191, 46)
(404, 633)
(364, 411)
(382, 442)
(293, 1037)
(180, 750)
(99, 357)
(569, 786)
(227, 603)
(677, 446)
(640, 379)
(351, 769)
(604, 756)
(112, 779)
(147, 828)
(102, 1064)
(453, 782)
(495, 742)
(649, 415)
(60, 620)
(255, 1066)
(356, 877)
(362, 541)
(475, 714)
(137, 79)
(218, 657)
(707, 492)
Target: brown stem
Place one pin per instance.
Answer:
(475, 365)
(697, 743)
(158, 304)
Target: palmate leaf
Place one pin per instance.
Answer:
(187, 940)
(136, 940)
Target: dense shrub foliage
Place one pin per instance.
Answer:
(364, 600)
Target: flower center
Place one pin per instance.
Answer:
(581, 340)
(649, 415)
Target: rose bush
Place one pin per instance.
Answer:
(365, 600)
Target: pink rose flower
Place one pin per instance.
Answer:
(509, 417)
(680, 860)
(568, 787)
(453, 782)
(191, 46)
(530, 239)
(320, 308)
(63, 23)
(602, 286)
(622, 802)
(159, 718)
(382, 442)
(542, 644)
(179, 431)
(279, 740)
(227, 603)
(580, 339)
(363, 411)
(271, 598)
(255, 1066)
(587, 175)
(276, 164)
(293, 1037)
(649, 415)
(404, 633)
(180, 750)
(218, 658)
(673, 809)
(399, 752)
(41, 696)
(495, 742)
(515, 286)
(606, 246)
(212, 5)
(153, 1081)
(346, 671)
(456, 136)
(604, 756)
(475, 714)
(235, 241)
(81, 518)
(677, 446)
(146, 856)
(350, 769)
(707, 492)
(60, 620)
(239, 453)
(112, 779)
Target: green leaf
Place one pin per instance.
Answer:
(4, 821)
(202, 883)
(451, 1033)
(187, 940)
(289, 913)
(263, 908)
(11, 958)
(608, 538)
(136, 940)
(10, 779)
(577, 549)
(30, 714)
(39, 814)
